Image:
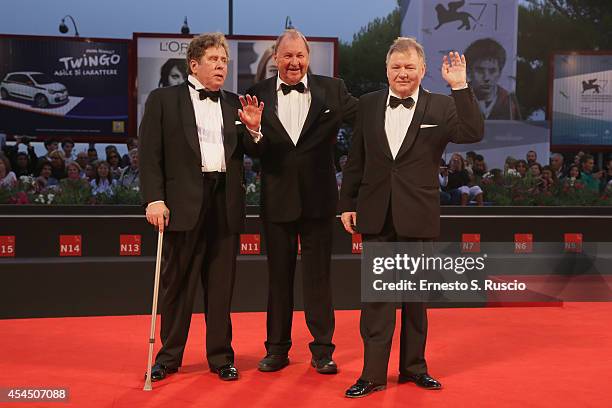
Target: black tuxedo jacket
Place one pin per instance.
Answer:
(300, 180)
(373, 181)
(170, 159)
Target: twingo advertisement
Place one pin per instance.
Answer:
(52, 87)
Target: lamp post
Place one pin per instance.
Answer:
(288, 23)
(63, 28)
(231, 17)
(185, 28)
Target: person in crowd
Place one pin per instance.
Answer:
(90, 172)
(92, 154)
(24, 165)
(531, 157)
(445, 197)
(131, 143)
(535, 170)
(557, 165)
(103, 182)
(521, 168)
(68, 147)
(58, 164)
(44, 177)
(8, 179)
(110, 148)
(51, 145)
(249, 175)
(459, 182)
(590, 178)
(510, 167)
(73, 171)
(573, 178)
(479, 168)
(549, 179)
(341, 163)
(469, 160)
(74, 179)
(82, 159)
(390, 192)
(578, 158)
(130, 177)
(606, 179)
(114, 161)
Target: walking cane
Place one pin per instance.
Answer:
(160, 240)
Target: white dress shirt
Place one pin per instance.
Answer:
(292, 108)
(397, 121)
(209, 122)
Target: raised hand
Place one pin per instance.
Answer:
(454, 69)
(251, 111)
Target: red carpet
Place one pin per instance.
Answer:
(495, 357)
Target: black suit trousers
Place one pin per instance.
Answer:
(377, 324)
(205, 255)
(282, 246)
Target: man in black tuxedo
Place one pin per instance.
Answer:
(191, 153)
(390, 191)
(299, 196)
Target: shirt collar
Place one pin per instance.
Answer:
(414, 96)
(279, 81)
(195, 82)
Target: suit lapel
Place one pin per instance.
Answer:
(270, 97)
(230, 138)
(317, 103)
(189, 120)
(379, 120)
(415, 124)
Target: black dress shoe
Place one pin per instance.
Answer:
(227, 372)
(363, 388)
(273, 362)
(422, 380)
(324, 366)
(160, 371)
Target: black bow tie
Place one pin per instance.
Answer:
(395, 102)
(205, 93)
(300, 87)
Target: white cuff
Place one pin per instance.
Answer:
(257, 135)
(460, 88)
(154, 202)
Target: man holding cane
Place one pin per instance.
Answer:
(191, 152)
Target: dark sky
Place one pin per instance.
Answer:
(120, 18)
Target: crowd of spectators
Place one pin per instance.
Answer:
(467, 180)
(61, 168)
(464, 180)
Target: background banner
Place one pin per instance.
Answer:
(52, 86)
(161, 61)
(486, 31)
(581, 99)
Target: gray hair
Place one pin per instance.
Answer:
(292, 33)
(405, 44)
(557, 155)
(199, 45)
